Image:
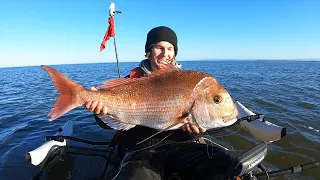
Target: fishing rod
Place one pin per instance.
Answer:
(112, 12)
(62, 138)
(290, 170)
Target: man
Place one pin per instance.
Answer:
(161, 48)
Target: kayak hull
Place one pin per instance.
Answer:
(37, 155)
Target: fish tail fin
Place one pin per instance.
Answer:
(68, 90)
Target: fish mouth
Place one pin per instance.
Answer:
(231, 117)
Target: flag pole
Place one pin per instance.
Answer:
(115, 49)
(111, 13)
(111, 33)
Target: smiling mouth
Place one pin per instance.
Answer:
(164, 61)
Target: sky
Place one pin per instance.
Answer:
(51, 32)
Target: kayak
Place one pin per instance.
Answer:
(58, 159)
(36, 156)
(261, 130)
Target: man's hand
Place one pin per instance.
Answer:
(190, 127)
(197, 130)
(97, 107)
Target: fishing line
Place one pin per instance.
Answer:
(267, 175)
(247, 118)
(129, 154)
(123, 163)
(211, 141)
(155, 144)
(196, 123)
(231, 133)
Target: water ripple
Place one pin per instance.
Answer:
(6, 133)
(283, 91)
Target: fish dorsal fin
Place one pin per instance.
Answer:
(121, 81)
(115, 124)
(164, 70)
(116, 82)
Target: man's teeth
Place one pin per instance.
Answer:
(164, 61)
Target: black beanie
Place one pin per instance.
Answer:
(161, 33)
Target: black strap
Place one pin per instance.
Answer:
(252, 117)
(62, 138)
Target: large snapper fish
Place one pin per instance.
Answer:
(161, 100)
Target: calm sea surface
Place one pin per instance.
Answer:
(286, 92)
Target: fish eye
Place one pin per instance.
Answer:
(217, 99)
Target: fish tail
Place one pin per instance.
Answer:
(67, 89)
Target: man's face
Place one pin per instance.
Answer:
(162, 53)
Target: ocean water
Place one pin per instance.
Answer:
(286, 92)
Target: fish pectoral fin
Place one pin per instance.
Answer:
(167, 128)
(115, 124)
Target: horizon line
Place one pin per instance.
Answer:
(215, 59)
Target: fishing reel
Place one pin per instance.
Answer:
(248, 161)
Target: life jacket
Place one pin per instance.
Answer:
(136, 73)
(145, 69)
